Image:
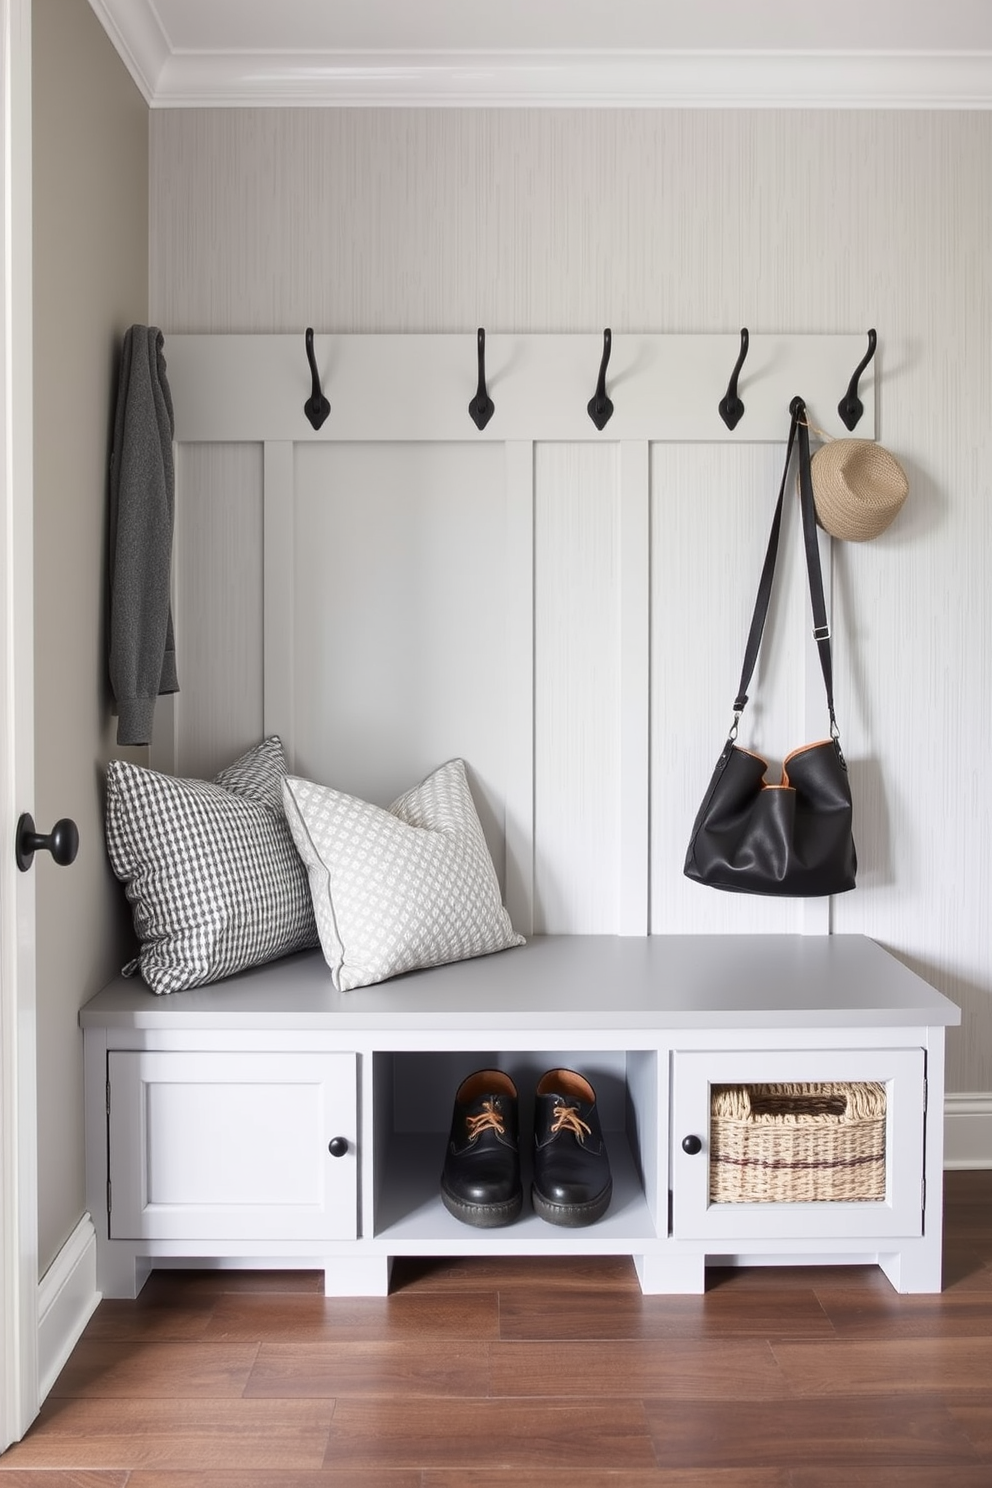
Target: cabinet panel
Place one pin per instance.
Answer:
(696, 1216)
(209, 1146)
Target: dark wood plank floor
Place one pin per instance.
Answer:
(534, 1373)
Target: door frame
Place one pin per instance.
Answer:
(18, 1086)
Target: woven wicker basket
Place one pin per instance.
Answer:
(795, 1144)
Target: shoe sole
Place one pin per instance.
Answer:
(483, 1216)
(573, 1216)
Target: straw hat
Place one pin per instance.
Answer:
(858, 487)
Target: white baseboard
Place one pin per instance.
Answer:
(968, 1131)
(67, 1299)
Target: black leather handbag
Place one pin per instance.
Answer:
(793, 839)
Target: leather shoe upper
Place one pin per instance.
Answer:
(571, 1166)
(482, 1162)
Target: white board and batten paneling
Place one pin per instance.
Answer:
(539, 597)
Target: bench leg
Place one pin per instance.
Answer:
(357, 1276)
(917, 1268)
(671, 1273)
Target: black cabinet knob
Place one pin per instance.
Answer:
(692, 1145)
(62, 842)
(338, 1146)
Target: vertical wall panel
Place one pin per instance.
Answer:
(218, 587)
(576, 690)
(400, 599)
(633, 667)
(519, 596)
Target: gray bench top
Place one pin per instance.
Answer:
(569, 982)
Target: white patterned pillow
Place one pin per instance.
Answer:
(399, 889)
(209, 867)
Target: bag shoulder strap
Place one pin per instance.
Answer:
(821, 629)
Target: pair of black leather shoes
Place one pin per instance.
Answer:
(480, 1182)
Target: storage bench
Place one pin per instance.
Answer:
(269, 1121)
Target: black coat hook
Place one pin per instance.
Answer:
(850, 406)
(599, 407)
(482, 406)
(316, 407)
(731, 407)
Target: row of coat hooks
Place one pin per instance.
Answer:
(600, 408)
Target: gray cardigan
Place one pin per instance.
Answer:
(142, 500)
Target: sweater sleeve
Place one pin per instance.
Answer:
(142, 501)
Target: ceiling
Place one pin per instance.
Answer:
(610, 53)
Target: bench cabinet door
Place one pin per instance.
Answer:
(232, 1146)
(697, 1215)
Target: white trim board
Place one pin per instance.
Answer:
(789, 80)
(67, 1299)
(418, 387)
(18, 1052)
(560, 78)
(968, 1131)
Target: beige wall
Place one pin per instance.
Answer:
(90, 142)
(391, 220)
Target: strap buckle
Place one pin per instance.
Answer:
(821, 632)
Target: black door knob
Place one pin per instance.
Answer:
(338, 1146)
(692, 1145)
(62, 842)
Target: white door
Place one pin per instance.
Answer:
(900, 1213)
(233, 1146)
(18, 1117)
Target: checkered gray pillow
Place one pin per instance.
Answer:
(209, 867)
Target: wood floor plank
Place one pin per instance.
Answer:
(658, 1477)
(449, 1368)
(304, 1319)
(214, 1281)
(679, 1370)
(846, 1432)
(867, 1314)
(939, 1366)
(967, 1266)
(967, 1186)
(28, 1478)
(794, 1278)
(976, 1422)
(278, 1478)
(140, 1320)
(130, 1371)
(968, 1204)
(202, 1435)
(890, 1477)
(489, 1433)
(715, 1315)
(973, 1222)
(514, 1273)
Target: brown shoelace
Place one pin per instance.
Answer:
(567, 1118)
(488, 1119)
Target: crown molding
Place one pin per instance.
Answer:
(540, 79)
(577, 80)
(134, 29)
